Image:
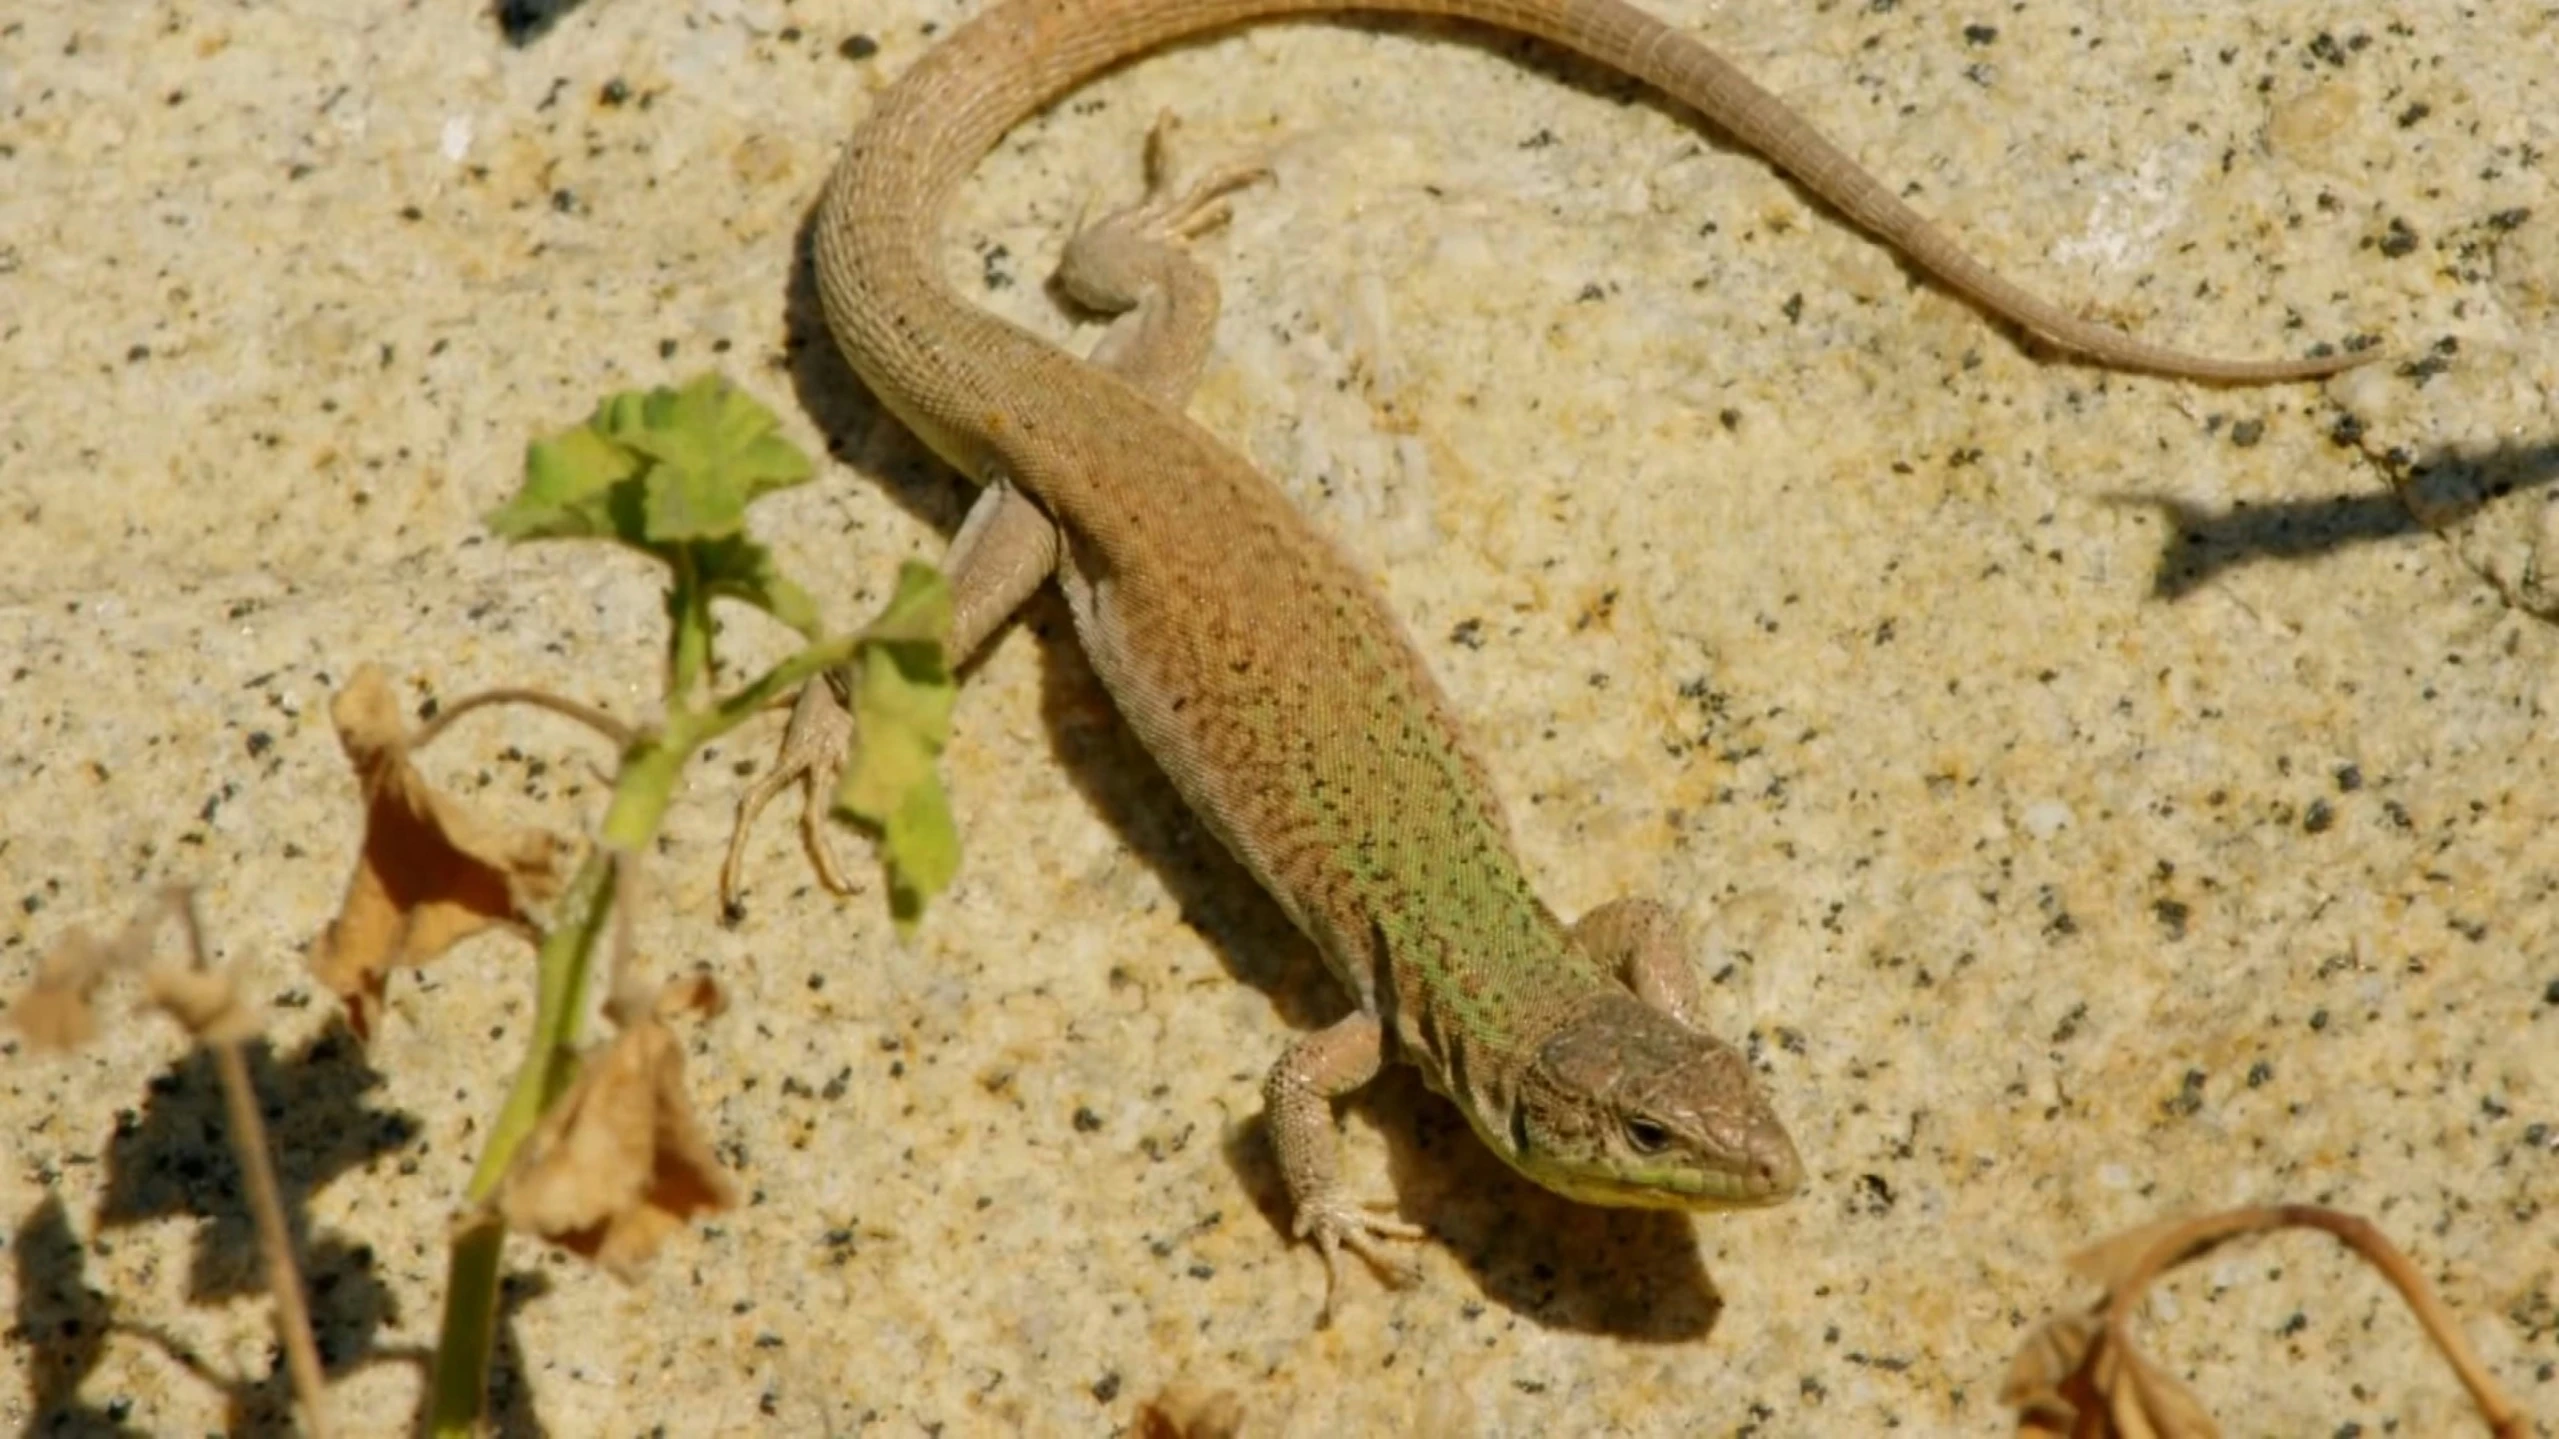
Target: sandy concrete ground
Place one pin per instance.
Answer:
(2094, 797)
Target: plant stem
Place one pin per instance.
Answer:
(688, 650)
(652, 766)
(469, 1332)
(550, 1063)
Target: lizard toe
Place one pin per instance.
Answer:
(813, 750)
(1340, 1228)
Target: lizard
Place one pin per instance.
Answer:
(1257, 663)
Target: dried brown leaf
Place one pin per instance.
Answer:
(2146, 1400)
(2079, 1373)
(620, 1163)
(2040, 1382)
(697, 994)
(56, 1012)
(1191, 1411)
(430, 874)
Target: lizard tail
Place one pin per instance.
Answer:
(880, 222)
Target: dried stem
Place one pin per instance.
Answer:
(292, 1318)
(595, 719)
(266, 1203)
(2504, 1419)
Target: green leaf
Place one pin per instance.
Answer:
(738, 568)
(569, 483)
(716, 453)
(662, 470)
(925, 853)
(902, 698)
(920, 611)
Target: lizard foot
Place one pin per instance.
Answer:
(1339, 1226)
(813, 749)
(1097, 268)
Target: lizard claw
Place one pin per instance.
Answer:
(1101, 268)
(1187, 208)
(1337, 1225)
(813, 749)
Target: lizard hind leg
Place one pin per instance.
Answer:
(1134, 263)
(1004, 549)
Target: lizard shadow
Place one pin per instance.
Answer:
(1632, 1274)
(522, 22)
(2430, 492)
(1629, 1274)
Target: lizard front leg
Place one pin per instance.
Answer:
(1297, 1101)
(1004, 549)
(1638, 940)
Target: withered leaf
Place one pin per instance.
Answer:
(56, 1013)
(2146, 1401)
(1191, 1411)
(59, 1010)
(2047, 1381)
(620, 1163)
(2079, 1373)
(430, 874)
(2077, 1377)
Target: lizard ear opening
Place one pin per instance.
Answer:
(1519, 1129)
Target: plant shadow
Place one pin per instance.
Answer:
(172, 1159)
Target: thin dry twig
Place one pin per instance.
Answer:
(2369, 1244)
(266, 1201)
(2080, 1374)
(595, 719)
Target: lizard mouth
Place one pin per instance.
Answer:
(1703, 1191)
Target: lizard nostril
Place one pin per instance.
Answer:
(1778, 1172)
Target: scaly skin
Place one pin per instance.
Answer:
(1262, 671)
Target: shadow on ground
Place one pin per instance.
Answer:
(2430, 493)
(172, 1159)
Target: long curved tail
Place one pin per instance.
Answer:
(932, 126)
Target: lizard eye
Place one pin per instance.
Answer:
(1647, 1136)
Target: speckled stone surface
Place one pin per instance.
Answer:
(2094, 797)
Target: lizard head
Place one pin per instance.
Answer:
(1626, 1106)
